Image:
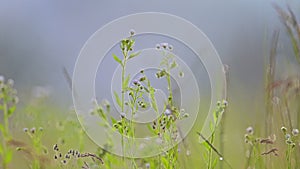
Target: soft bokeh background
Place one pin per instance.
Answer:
(39, 38)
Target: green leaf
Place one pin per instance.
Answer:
(113, 120)
(1, 149)
(173, 65)
(214, 163)
(206, 145)
(1, 128)
(11, 110)
(153, 100)
(117, 99)
(126, 81)
(8, 157)
(117, 59)
(132, 55)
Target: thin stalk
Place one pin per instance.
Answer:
(210, 155)
(5, 134)
(269, 94)
(222, 124)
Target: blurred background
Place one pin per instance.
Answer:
(39, 38)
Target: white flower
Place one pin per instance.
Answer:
(295, 132)
(132, 32)
(250, 130)
(168, 112)
(164, 45)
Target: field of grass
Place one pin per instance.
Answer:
(38, 134)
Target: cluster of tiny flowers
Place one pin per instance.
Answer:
(249, 136)
(33, 130)
(8, 91)
(290, 138)
(164, 46)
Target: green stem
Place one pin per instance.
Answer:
(210, 152)
(5, 116)
(5, 134)
(289, 157)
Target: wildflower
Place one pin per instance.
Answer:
(250, 130)
(41, 129)
(123, 115)
(168, 112)
(147, 165)
(295, 132)
(225, 103)
(135, 82)
(157, 46)
(287, 136)
(170, 47)
(32, 130)
(164, 45)
(25, 130)
(283, 129)
(132, 32)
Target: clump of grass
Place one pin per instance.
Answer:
(8, 102)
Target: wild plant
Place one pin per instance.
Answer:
(38, 152)
(208, 143)
(8, 102)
